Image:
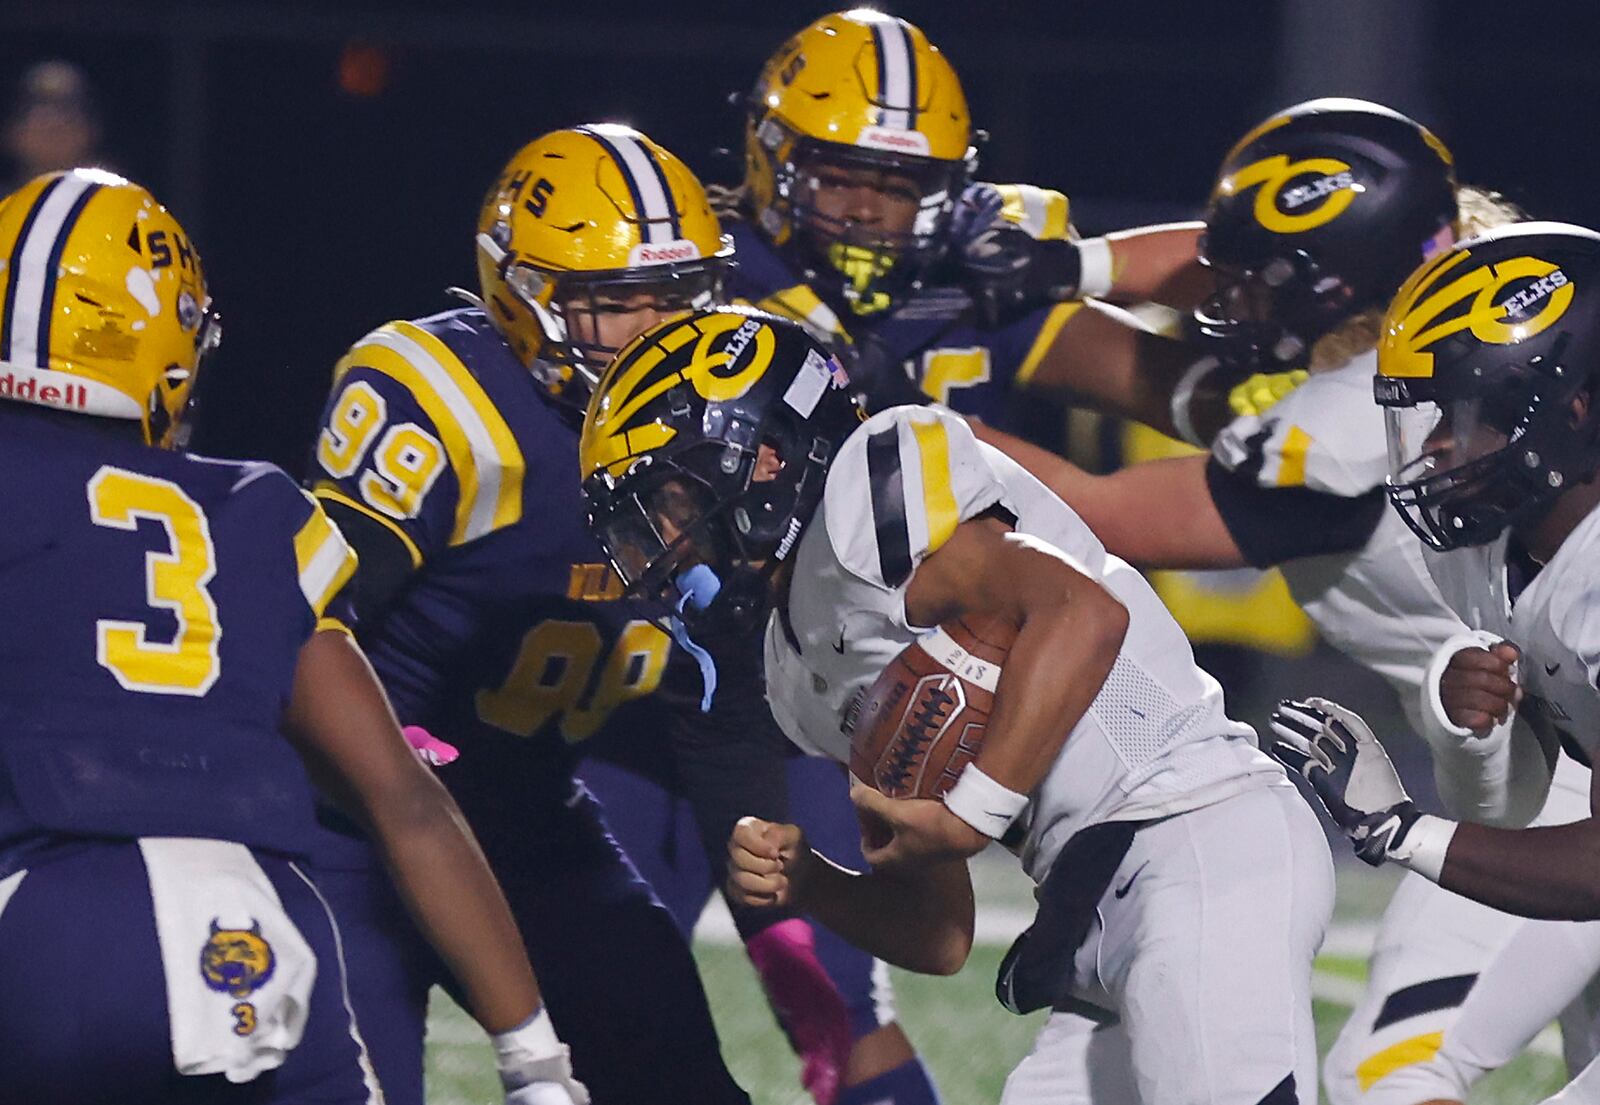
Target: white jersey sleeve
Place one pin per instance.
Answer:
(1325, 435)
(1155, 740)
(899, 488)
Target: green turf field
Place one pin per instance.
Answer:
(969, 1041)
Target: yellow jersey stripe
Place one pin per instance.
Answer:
(325, 490)
(1058, 317)
(483, 453)
(1418, 1049)
(1292, 458)
(324, 559)
(938, 496)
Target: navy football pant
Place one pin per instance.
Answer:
(620, 983)
(659, 834)
(83, 998)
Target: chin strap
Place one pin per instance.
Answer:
(698, 587)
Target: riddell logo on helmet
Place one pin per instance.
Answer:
(28, 389)
(663, 253)
(894, 140)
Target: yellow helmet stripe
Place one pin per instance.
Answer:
(31, 287)
(897, 74)
(652, 198)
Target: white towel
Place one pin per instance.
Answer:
(239, 974)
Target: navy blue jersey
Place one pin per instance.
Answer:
(969, 367)
(155, 606)
(510, 624)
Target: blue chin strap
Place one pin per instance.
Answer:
(698, 587)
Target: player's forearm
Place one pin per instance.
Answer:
(919, 919)
(454, 898)
(1158, 264)
(1550, 873)
(1055, 668)
(1102, 361)
(341, 722)
(1159, 514)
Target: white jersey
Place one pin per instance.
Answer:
(1155, 741)
(1555, 621)
(1376, 605)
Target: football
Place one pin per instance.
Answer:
(922, 721)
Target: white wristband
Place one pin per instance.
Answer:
(983, 803)
(1184, 392)
(1425, 845)
(1096, 270)
(1433, 705)
(530, 1052)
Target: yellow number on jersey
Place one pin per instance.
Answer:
(405, 463)
(944, 369)
(555, 666)
(357, 416)
(174, 580)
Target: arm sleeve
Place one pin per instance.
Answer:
(1274, 524)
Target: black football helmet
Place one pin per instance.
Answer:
(1487, 370)
(704, 451)
(1319, 213)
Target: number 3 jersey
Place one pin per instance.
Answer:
(509, 624)
(155, 604)
(1155, 741)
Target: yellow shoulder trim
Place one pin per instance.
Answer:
(325, 490)
(938, 496)
(483, 453)
(333, 625)
(1292, 458)
(324, 560)
(1418, 1049)
(804, 306)
(1058, 317)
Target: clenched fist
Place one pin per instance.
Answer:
(767, 863)
(1478, 688)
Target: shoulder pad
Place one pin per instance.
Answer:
(277, 508)
(1326, 435)
(897, 490)
(409, 363)
(1043, 212)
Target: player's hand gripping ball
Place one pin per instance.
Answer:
(923, 720)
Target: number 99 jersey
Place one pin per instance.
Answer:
(508, 624)
(155, 605)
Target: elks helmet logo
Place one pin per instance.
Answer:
(1500, 304)
(236, 961)
(1327, 188)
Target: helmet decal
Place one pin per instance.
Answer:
(1507, 302)
(1285, 210)
(103, 304)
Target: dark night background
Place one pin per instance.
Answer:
(328, 157)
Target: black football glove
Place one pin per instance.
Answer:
(879, 378)
(1008, 272)
(1336, 752)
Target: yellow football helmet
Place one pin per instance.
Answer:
(587, 222)
(857, 100)
(105, 310)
